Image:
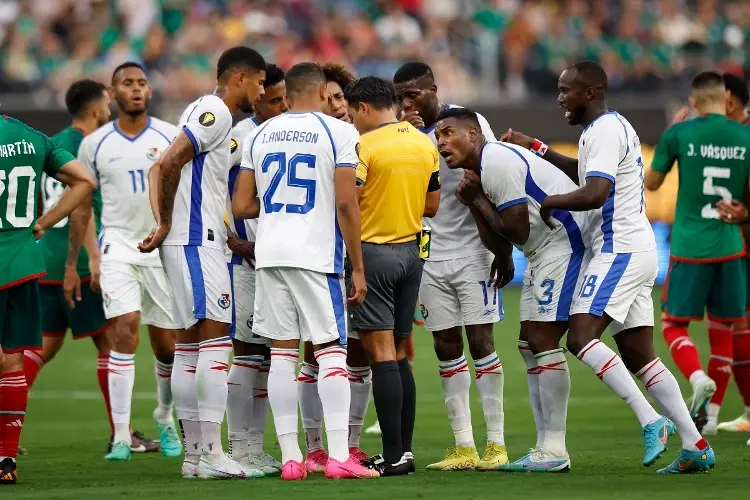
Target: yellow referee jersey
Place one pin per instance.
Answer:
(398, 165)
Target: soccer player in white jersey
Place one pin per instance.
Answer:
(134, 286)
(247, 400)
(456, 292)
(617, 281)
(189, 192)
(504, 186)
(304, 165)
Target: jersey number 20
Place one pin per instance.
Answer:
(709, 174)
(11, 184)
(287, 172)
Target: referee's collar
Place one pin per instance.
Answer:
(385, 124)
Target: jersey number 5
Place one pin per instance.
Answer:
(288, 172)
(709, 174)
(11, 184)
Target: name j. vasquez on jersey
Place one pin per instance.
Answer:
(715, 152)
(290, 136)
(16, 148)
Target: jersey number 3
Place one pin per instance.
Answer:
(11, 184)
(287, 172)
(709, 174)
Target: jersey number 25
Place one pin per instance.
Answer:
(287, 172)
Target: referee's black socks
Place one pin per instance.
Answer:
(388, 392)
(409, 403)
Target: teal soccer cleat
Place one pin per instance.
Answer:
(655, 436)
(171, 445)
(690, 462)
(538, 461)
(120, 452)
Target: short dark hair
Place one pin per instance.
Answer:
(303, 76)
(81, 94)
(462, 114)
(737, 87)
(411, 71)
(126, 65)
(591, 74)
(338, 73)
(377, 92)
(239, 58)
(707, 79)
(274, 75)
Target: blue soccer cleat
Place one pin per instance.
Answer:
(655, 436)
(538, 461)
(690, 462)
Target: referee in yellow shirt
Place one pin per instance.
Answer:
(398, 183)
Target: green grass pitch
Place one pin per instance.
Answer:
(66, 434)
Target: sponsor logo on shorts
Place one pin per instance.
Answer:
(107, 300)
(489, 312)
(423, 310)
(224, 301)
(542, 310)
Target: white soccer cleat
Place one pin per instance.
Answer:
(219, 466)
(190, 468)
(374, 429)
(710, 429)
(251, 469)
(264, 462)
(702, 392)
(739, 424)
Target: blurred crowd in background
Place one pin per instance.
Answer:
(480, 49)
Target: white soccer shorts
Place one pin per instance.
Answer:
(459, 292)
(619, 285)
(200, 283)
(128, 288)
(243, 291)
(298, 304)
(549, 287)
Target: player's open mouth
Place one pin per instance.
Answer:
(446, 155)
(568, 112)
(137, 99)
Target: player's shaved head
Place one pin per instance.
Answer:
(463, 116)
(582, 92)
(304, 78)
(414, 70)
(239, 59)
(117, 73)
(417, 92)
(708, 89)
(459, 138)
(591, 74)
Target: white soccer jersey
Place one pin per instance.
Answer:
(512, 175)
(610, 148)
(294, 157)
(244, 229)
(121, 165)
(454, 233)
(198, 216)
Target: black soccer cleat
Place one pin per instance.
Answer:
(409, 457)
(403, 467)
(8, 471)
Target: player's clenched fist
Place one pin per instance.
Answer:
(468, 187)
(154, 239)
(517, 138)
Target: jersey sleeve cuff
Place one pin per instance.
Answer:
(193, 141)
(600, 174)
(249, 169)
(353, 165)
(510, 203)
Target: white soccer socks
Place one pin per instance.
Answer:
(663, 387)
(164, 399)
(335, 397)
(240, 384)
(310, 407)
(186, 399)
(532, 379)
(360, 384)
(456, 382)
(611, 370)
(489, 373)
(282, 396)
(211, 389)
(554, 393)
(121, 381)
(259, 411)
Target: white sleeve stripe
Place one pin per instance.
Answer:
(346, 165)
(249, 169)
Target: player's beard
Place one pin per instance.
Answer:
(576, 115)
(133, 111)
(246, 106)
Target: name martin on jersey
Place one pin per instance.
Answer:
(715, 152)
(16, 148)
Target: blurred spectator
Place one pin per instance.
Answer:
(487, 49)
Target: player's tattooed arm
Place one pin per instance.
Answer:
(245, 202)
(168, 169)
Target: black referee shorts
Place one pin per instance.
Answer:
(392, 273)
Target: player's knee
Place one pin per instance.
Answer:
(125, 332)
(481, 340)
(12, 362)
(448, 344)
(576, 343)
(356, 354)
(308, 354)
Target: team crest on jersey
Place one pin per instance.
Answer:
(232, 145)
(224, 301)
(107, 300)
(207, 119)
(152, 154)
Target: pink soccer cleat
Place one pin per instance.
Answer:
(293, 471)
(351, 469)
(316, 461)
(358, 455)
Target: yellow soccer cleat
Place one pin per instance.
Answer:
(495, 456)
(458, 458)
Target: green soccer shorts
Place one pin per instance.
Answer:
(85, 320)
(20, 317)
(692, 288)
